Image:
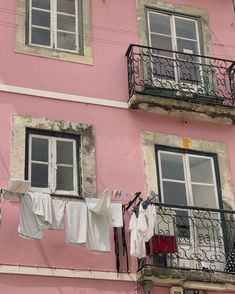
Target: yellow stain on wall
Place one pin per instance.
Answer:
(186, 142)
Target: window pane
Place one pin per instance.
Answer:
(172, 166)
(208, 227)
(40, 37)
(204, 196)
(64, 179)
(66, 23)
(185, 28)
(182, 224)
(39, 175)
(162, 42)
(66, 41)
(64, 152)
(160, 23)
(40, 149)
(41, 18)
(45, 4)
(187, 46)
(67, 6)
(201, 170)
(189, 71)
(174, 193)
(163, 68)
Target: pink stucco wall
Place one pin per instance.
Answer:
(47, 285)
(119, 159)
(114, 28)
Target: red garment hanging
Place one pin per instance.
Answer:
(161, 245)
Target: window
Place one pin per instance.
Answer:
(174, 33)
(58, 29)
(55, 24)
(196, 18)
(186, 177)
(62, 152)
(52, 162)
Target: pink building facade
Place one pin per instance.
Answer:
(157, 118)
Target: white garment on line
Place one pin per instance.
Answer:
(28, 225)
(142, 225)
(151, 217)
(116, 215)
(76, 222)
(137, 245)
(101, 206)
(99, 219)
(57, 209)
(42, 208)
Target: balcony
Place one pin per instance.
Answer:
(190, 244)
(179, 83)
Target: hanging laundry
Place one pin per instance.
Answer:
(116, 248)
(42, 208)
(76, 222)
(151, 216)
(124, 243)
(116, 215)
(28, 225)
(146, 221)
(99, 220)
(57, 209)
(137, 244)
(161, 245)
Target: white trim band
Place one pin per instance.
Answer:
(62, 96)
(67, 273)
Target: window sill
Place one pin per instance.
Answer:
(15, 197)
(54, 54)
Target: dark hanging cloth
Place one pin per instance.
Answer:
(124, 244)
(230, 264)
(115, 234)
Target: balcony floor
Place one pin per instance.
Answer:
(182, 108)
(195, 279)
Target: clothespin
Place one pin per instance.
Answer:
(118, 194)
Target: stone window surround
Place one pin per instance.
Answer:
(150, 139)
(87, 149)
(142, 5)
(22, 47)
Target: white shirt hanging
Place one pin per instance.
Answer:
(57, 209)
(42, 208)
(28, 225)
(76, 222)
(98, 223)
(137, 245)
(116, 215)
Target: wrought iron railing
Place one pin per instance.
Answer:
(180, 75)
(192, 238)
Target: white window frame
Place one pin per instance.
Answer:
(174, 38)
(188, 182)
(53, 26)
(52, 165)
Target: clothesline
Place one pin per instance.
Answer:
(74, 197)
